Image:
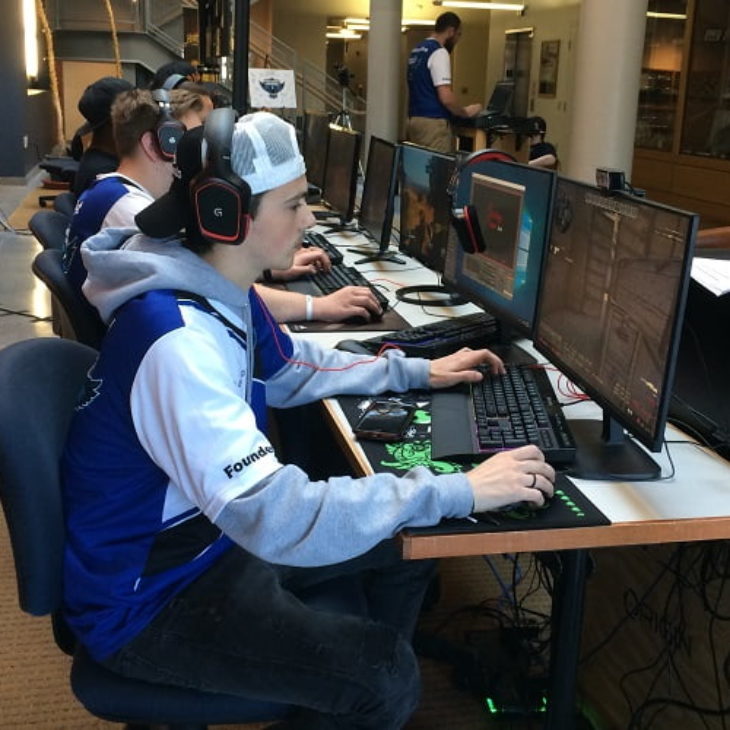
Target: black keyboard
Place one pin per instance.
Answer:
(339, 276)
(442, 337)
(317, 239)
(501, 412)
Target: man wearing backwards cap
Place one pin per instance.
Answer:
(96, 104)
(188, 542)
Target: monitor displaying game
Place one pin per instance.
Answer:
(610, 315)
(425, 205)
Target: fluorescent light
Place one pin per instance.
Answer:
(413, 21)
(358, 26)
(512, 31)
(349, 35)
(30, 31)
(666, 16)
(358, 21)
(518, 7)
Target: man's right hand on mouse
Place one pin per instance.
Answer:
(518, 475)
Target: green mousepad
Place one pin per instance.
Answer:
(569, 507)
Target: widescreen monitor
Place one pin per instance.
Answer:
(340, 178)
(512, 204)
(316, 137)
(425, 205)
(610, 313)
(378, 198)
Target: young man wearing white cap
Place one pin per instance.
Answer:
(188, 542)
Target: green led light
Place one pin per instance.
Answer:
(489, 702)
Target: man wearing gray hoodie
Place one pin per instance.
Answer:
(188, 542)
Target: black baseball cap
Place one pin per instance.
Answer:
(172, 212)
(536, 125)
(96, 102)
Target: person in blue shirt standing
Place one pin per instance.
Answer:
(432, 103)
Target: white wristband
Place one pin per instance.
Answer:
(308, 308)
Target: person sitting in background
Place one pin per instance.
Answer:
(542, 153)
(191, 104)
(144, 174)
(95, 105)
(183, 69)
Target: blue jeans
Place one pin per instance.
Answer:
(241, 629)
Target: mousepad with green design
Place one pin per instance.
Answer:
(568, 508)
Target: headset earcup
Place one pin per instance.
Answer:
(466, 224)
(169, 133)
(219, 211)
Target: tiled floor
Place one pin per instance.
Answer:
(25, 305)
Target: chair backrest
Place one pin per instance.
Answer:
(79, 320)
(40, 381)
(65, 204)
(49, 227)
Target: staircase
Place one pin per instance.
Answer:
(316, 90)
(150, 33)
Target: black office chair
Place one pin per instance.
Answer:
(40, 381)
(49, 227)
(65, 203)
(63, 173)
(74, 317)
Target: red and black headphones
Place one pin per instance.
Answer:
(465, 218)
(168, 130)
(221, 199)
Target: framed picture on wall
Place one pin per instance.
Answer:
(549, 55)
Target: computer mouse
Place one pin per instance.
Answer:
(353, 346)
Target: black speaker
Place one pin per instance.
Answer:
(221, 199)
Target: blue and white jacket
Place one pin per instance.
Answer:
(428, 67)
(167, 463)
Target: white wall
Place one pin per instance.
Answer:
(551, 20)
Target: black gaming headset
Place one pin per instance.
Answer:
(465, 218)
(220, 198)
(173, 81)
(168, 130)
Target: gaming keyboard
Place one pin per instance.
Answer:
(317, 239)
(442, 337)
(339, 276)
(501, 412)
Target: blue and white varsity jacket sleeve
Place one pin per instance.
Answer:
(191, 415)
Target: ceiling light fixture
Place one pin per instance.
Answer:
(666, 16)
(349, 35)
(517, 7)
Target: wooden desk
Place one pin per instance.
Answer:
(693, 505)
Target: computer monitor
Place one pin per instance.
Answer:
(378, 199)
(499, 101)
(512, 203)
(316, 137)
(610, 314)
(425, 205)
(340, 177)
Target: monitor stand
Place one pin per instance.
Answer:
(605, 452)
(445, 298)
(369, 256)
